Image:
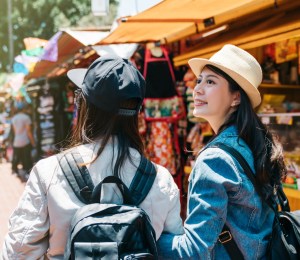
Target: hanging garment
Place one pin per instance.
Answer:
(163, 108)
(159, 147)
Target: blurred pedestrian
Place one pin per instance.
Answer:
(23, 140)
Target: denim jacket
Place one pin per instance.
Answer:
(219, 193)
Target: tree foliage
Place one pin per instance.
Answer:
(42, 19)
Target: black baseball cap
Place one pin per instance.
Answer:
(109, 81)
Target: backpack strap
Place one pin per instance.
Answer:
(77, 175)
(112, 180)
(142, 181)
(81, 183)
(242, 161)
(225, 237)
(139, 187)
(284, 203)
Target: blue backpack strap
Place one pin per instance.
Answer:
(142, 181)
(77, 175)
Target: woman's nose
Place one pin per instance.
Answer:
(198, 88)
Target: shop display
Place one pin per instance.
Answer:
(163, 108)
(280, 110)
(46, 123)
(52, 116)
(168, 108)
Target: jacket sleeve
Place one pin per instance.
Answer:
(27, 237)
(207, 208)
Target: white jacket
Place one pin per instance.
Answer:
(39, 226)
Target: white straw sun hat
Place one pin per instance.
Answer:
(240, 65)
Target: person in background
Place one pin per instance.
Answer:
(107, 138)
(3, 133)
(219, 191)
(23, 140)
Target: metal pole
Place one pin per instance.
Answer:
(136, 6)
(10, 36)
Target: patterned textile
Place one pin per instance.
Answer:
(160, 145)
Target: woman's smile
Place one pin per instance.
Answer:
(199, 103)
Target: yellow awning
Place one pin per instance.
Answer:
(171, 20)
(277, 28)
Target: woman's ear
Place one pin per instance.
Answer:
(236, 99)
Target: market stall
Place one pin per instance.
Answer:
(67, 47)
(275, 42)
(192, 33)
(51, 93)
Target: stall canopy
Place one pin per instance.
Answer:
(171, 20)
(280, 26)
(69, 43)
(125, 50)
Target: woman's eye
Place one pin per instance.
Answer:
(209, 81)
(199, 81)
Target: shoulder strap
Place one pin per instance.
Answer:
(226, 237)
(284, 203)
(77, 175)
(230, 245)
(142, 181)
(242, 161)
(82, 184)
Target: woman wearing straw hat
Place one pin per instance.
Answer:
(219, 191)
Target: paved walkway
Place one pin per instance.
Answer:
(11, 188)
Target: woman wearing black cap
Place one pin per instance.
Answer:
(219, 190)
(107, 138)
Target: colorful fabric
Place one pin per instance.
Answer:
(36, 52)
(32, 43)
(160, 146)
(164, 107)
(51, 49)
(20, 68)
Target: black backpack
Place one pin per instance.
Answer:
(109, 231)
(285, 239)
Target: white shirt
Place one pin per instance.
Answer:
(20, 122)
(42, 218)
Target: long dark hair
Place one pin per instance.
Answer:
(94, 124)
(267, 151)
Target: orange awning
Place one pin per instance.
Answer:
(149, 32)
(199, 10)
(171, 20)
(276, 28)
